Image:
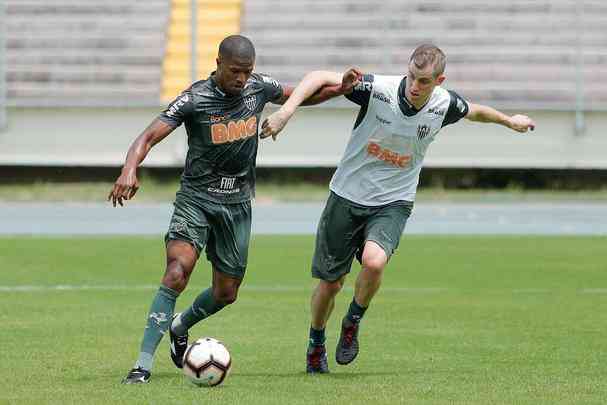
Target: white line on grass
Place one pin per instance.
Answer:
(530, 291)
(594, 291)
(257, 288)
(254, 288)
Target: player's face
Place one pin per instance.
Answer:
(232, 74)
(421, 83)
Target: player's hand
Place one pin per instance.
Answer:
(274, 123)
(125, 187)
(351, 78)
(521, 123)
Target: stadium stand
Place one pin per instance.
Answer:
(85, 53)
(517, 54)
(510, 54)
(216, 20)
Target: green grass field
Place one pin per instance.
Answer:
(154, 191)
(460, 320)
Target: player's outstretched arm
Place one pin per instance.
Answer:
(127, 183)
(315, 87)
(483, 113)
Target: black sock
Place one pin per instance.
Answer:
(317, 337)
(355, 312)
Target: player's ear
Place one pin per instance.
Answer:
(440, 79)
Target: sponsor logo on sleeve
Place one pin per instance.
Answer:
(460, 106)
(364, 86)
(271, 81)
(177, 105)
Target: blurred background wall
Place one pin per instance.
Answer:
(81, 79)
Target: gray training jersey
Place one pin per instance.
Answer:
(386, 150)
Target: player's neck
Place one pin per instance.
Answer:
(418, 105)
(220, 86)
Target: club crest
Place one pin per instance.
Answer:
(250, 102)
(423, 131)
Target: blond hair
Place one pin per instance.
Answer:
(429, 55)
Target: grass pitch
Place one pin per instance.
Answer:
(459, 320)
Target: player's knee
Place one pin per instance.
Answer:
(226, 295)
(176, 276)
(331, 287)
(374, 262)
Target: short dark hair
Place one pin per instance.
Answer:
(237, 46)
(428, 54)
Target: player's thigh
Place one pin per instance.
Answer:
(189, 223)
(228, 244)
(385, 227)
(339, 236)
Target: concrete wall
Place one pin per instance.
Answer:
(315, 137)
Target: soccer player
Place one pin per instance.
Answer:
(373, 190)
(212, 209)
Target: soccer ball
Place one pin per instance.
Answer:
(207, 362)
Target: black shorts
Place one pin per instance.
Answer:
(344, 228)
(224, 229)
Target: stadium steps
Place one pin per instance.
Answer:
(368, 37)
(95, 41)
(83, 24)
(80, 74)
(524, 52)
(80, 53)
(85, 57)
(81, 94)
(488, 72)
(216, 19)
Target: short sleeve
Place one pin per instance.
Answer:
(362, 91)
(178, 110)
(458, 109)
(271, 88)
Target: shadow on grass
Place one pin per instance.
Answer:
(331, 375)
(167, 376)
(163, 376)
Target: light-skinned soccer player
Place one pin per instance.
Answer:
(373, 190)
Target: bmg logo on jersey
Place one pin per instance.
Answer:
(387, 155)
(233, 130)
